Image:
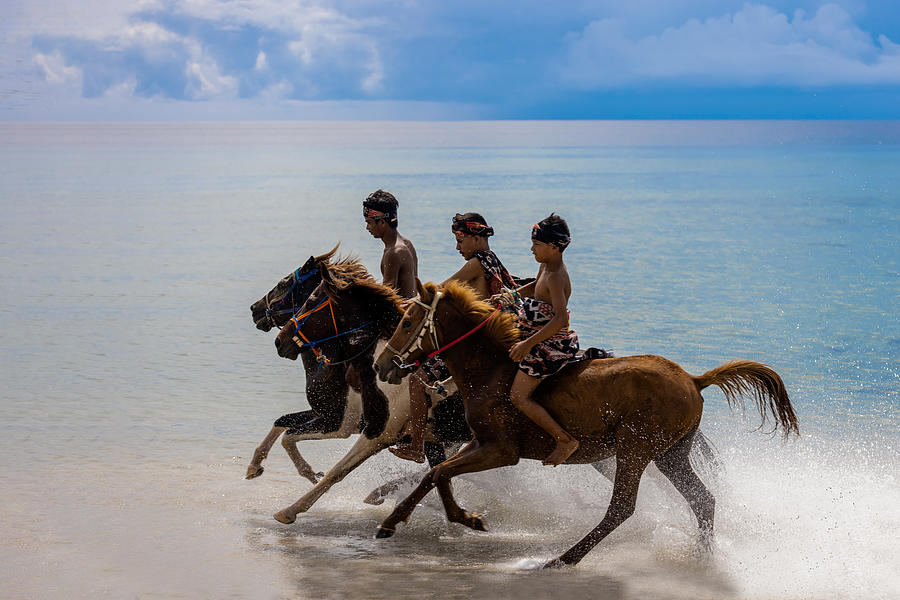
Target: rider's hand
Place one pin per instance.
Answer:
(519, 350)
(503, 299)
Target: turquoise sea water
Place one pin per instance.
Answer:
(135, 386)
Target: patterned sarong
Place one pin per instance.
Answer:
(551, 355)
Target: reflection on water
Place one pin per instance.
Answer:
(135, 386)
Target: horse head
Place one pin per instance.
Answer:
(437, 320)
(282, 301)
(414, 338)
(343, 316)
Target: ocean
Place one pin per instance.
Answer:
(135, 386)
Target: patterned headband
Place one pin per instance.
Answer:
(471, 228)
(548, 236)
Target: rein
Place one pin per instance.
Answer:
(308, 344)
(415, 344)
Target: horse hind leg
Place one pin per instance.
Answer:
(676, 465)
(629, 468)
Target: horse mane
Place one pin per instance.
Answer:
(348, 275)
(503, 329)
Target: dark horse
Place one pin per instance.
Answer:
(326, 389)
(367, 311)
(640, 409)
(332, 389)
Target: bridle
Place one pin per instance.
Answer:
(307, 344)
(427, 325)
(272, 310)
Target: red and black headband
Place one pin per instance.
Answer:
(377, 210)
(469, 227)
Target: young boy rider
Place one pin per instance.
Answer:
(484, 272)
(544, 319)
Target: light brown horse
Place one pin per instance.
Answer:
(638, 408)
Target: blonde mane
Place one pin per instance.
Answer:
(502, 329)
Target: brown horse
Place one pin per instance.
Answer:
(638, 408)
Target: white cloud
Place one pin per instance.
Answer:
(261, 63)
(205, 81)
(54, 68)
(754, 46)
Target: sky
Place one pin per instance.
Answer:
(248, 60)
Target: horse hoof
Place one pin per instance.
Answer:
(254, 473)
(555, 563)
(384, 532)
(478, 523)
(375, 498)
(282, 517)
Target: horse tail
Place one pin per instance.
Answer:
(748, 378)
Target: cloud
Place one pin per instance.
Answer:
(204, 49)
(520, 58)
(54, 68)
(756, 45)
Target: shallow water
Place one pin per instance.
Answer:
(135, 386)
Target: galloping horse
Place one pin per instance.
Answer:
(326, 389)
(367, 311)
(638, 408)
(360, 304)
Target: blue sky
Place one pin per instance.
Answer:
(407, 59)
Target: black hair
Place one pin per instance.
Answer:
(553, 230)
(384, 202)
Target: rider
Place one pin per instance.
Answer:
(399, 264)
(543, 317)
(484, 272)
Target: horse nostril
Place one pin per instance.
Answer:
(375, 366)
(277, 343)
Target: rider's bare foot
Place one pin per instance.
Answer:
(254, 471)
(564, 449)
(407, 452)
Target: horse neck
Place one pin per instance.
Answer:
(479, 367)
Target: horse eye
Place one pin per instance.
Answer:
(407, 324)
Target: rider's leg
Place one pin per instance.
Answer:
(418, 415)
(520, 396)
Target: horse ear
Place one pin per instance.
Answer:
(421, 290)
(327, 281)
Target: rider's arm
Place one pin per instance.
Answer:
(467, 272)
(390, 269)
(555, 283)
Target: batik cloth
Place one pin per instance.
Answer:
(496, 275)
(551, 355)
(436, 368)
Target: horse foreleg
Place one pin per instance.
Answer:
(363, 449)
(255, 468)
(402, 511)
(289, 443)
(621, 506)
(434, 453)
(471, 459)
